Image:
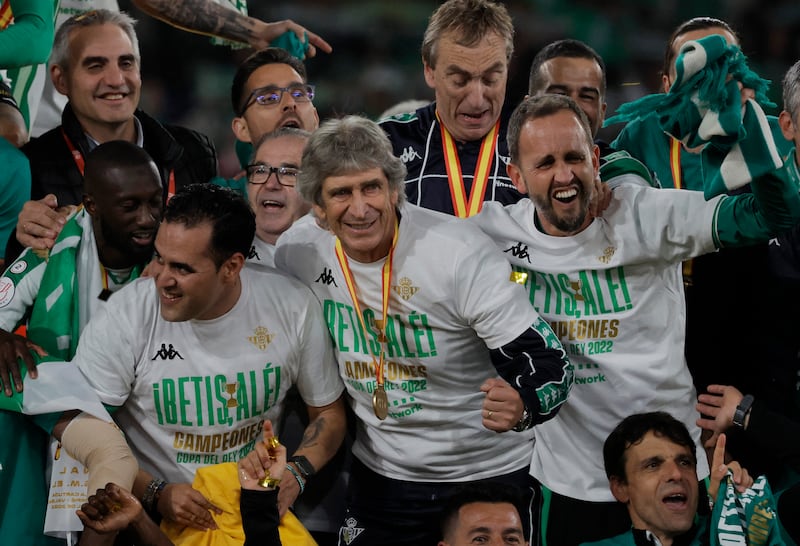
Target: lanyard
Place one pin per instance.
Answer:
(81, 164)
(6, 16)
(461, 206)
(386, 277)
(106, 292)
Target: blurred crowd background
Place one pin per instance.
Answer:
(376, 60)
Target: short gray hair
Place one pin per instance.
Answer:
(280, 132)
(470, 21)
(791, 91)
(60, 52)
(347, 145)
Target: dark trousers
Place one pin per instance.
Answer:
(564, 521)
(386, 512)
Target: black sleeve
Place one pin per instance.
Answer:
(538, 369)
(260, 518)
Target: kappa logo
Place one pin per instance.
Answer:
(253, 255)
(405, 288)
(409, 154)
(520, 251)
(608, 253)
(350, 532)
(262, 337)
(326, 277)
(167, 353)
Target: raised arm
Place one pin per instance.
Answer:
(208, 17)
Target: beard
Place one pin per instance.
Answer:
(566, 223)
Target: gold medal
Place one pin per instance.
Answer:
(380, 403)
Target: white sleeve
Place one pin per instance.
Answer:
(19, 287)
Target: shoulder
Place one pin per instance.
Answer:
(413, 123)
(621, 163)
(444, 232)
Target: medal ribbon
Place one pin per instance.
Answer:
(461, 206)
(6, 16)
(386, 278)
(675, 161)
(81, 164)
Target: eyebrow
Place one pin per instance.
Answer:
(562, 87)
(455, 69)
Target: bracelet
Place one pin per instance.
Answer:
(297, 477)
(152, 493)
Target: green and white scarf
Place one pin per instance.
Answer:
(747, 518)
(703, 108)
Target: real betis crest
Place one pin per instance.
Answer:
(262, 338)
(405, 288)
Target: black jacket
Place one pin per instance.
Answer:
(190, 154)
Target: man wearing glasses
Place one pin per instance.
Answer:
(269, 91)
(271, 179)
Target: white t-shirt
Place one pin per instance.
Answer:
(262, 254)
(450, 301)
(614, 296)
(195, 393)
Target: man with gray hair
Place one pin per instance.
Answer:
(455, 148)
(435, 366)
(96, 63)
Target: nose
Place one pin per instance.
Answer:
(146, 216)
(475, 92)
(287, 101)
(672, 471)
(113, 75)
(358, 205)
(161, 274)
(562, 172)
(272, 180)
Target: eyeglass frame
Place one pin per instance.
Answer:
(252, 98)
(270, 171)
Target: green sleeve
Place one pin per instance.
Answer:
(773, 207)
(29, 39)
(237, 184)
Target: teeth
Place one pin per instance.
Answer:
(113, 96)
(566, 194)
(268, 202)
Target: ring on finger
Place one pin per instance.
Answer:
(489, 414)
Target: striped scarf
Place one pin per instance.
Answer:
(747, 518)
(703, 108)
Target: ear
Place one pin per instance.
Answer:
(596, 159)
(665, 84)
(603, 107)
(619, 489)
(233, 266)
(319, 214)
(787, 126)
(240, 129)
(516, 178)
(89, 204)
(429, 75)
(59, 77)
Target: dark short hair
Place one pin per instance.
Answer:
(233, 223)
(262, 57)
(695, 23)
(563, 48)
(540, 107)
(115, 154)
(470, 493)
(632, 430)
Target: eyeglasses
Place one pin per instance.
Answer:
(272, 95)
(259, 173)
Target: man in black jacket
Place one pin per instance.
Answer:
(95, 62)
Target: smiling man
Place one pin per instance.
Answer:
(607, 285)
(454, 149)
(427, 357)
(101, 248)
(95, 62)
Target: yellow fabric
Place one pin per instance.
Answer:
(219, 483)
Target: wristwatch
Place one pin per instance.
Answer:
(525, 422)
(742, 410)
(303, 465)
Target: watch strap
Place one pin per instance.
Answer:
(742, 409)
(303, 465)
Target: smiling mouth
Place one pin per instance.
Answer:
(361, 226)
(270, 204)
(143, 238)
(566, 195)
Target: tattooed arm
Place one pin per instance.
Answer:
(208, 17)
(321, 440)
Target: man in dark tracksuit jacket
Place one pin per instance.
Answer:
(184, 154)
